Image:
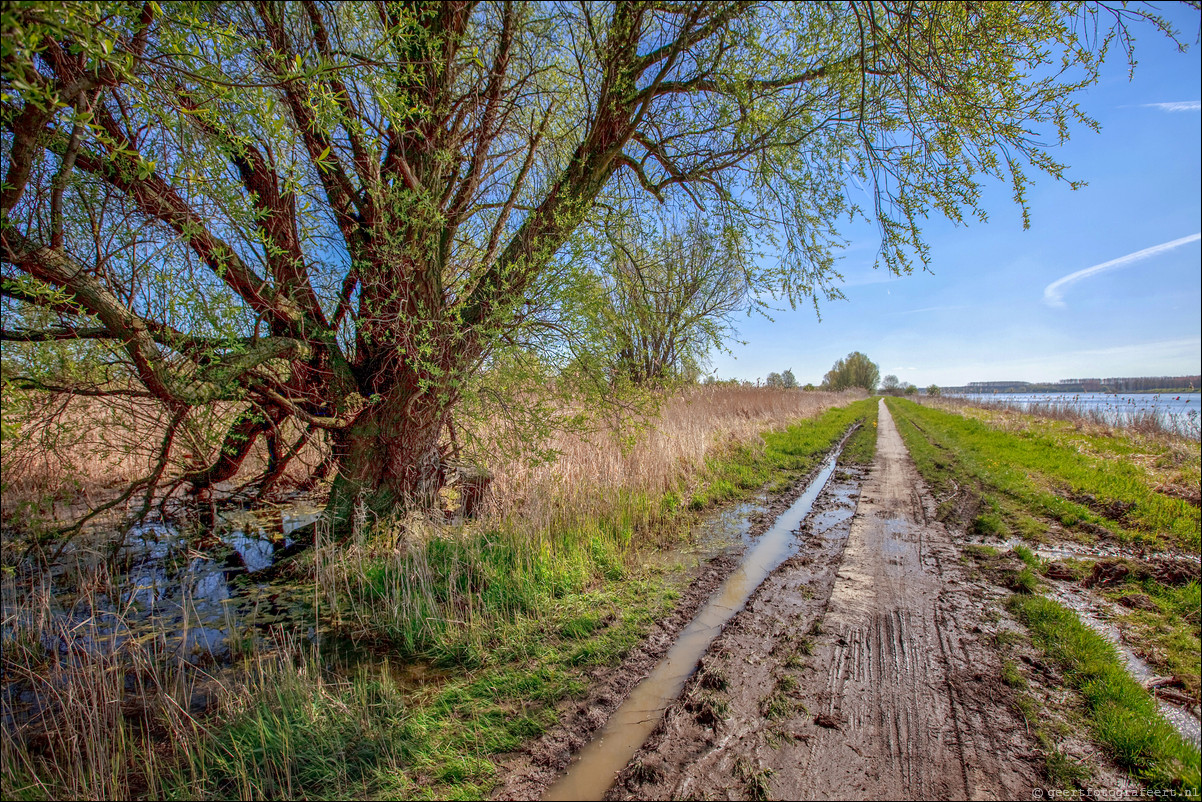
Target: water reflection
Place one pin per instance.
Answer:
(187, 595)
(592, 771)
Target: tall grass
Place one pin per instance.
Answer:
(69, 455)
(112, 717)
(99, 700)
(514, 606)
(694, 426)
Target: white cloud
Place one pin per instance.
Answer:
(1177, 105)
(1053, 294)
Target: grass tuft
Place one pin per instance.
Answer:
(1123, 716)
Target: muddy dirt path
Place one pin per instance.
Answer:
(651, 676)
(862, 668)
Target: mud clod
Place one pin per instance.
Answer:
(712, 679)
(1061, 572)
(1110, 572)
(1138, 601)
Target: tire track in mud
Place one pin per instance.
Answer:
(861, 669)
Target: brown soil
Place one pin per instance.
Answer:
(862, 668)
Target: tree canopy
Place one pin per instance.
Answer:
(853, 370)
(342, 213)
(660, 293)
(782, 381)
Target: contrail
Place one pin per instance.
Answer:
(1053, 295)
(1177, 105)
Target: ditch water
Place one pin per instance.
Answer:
(196, 600)
(1093, 613)
(1177, 411)
(592, 770)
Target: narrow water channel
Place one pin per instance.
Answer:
(1087, 609)
(592, 770)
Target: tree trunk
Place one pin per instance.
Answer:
(389, 459)
(235, 447)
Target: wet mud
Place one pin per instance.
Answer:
(862, 668)
(592, 770)
(530, 773)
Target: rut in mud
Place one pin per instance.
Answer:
(655, 671)
(860, 669)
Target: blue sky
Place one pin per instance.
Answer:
(1105, 282)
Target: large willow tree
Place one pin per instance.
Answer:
(336, 212)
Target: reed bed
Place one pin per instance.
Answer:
(64, 456)
(84, 705)
(90, 713)
(692, 427)
(69, 455)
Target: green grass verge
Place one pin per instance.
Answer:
(1007, 473)
(1025, 479)
(1123, 716)
(374, 733)
(786, 455)
(860, 448)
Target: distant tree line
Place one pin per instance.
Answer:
(1111, 385)
(1145, 383)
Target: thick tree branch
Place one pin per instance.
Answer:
(350, 207)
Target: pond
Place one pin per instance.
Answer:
(194, 598)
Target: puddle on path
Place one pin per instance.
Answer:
(592, 770)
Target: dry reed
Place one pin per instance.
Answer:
(83, 698)
(73, 454)
(693, 426)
